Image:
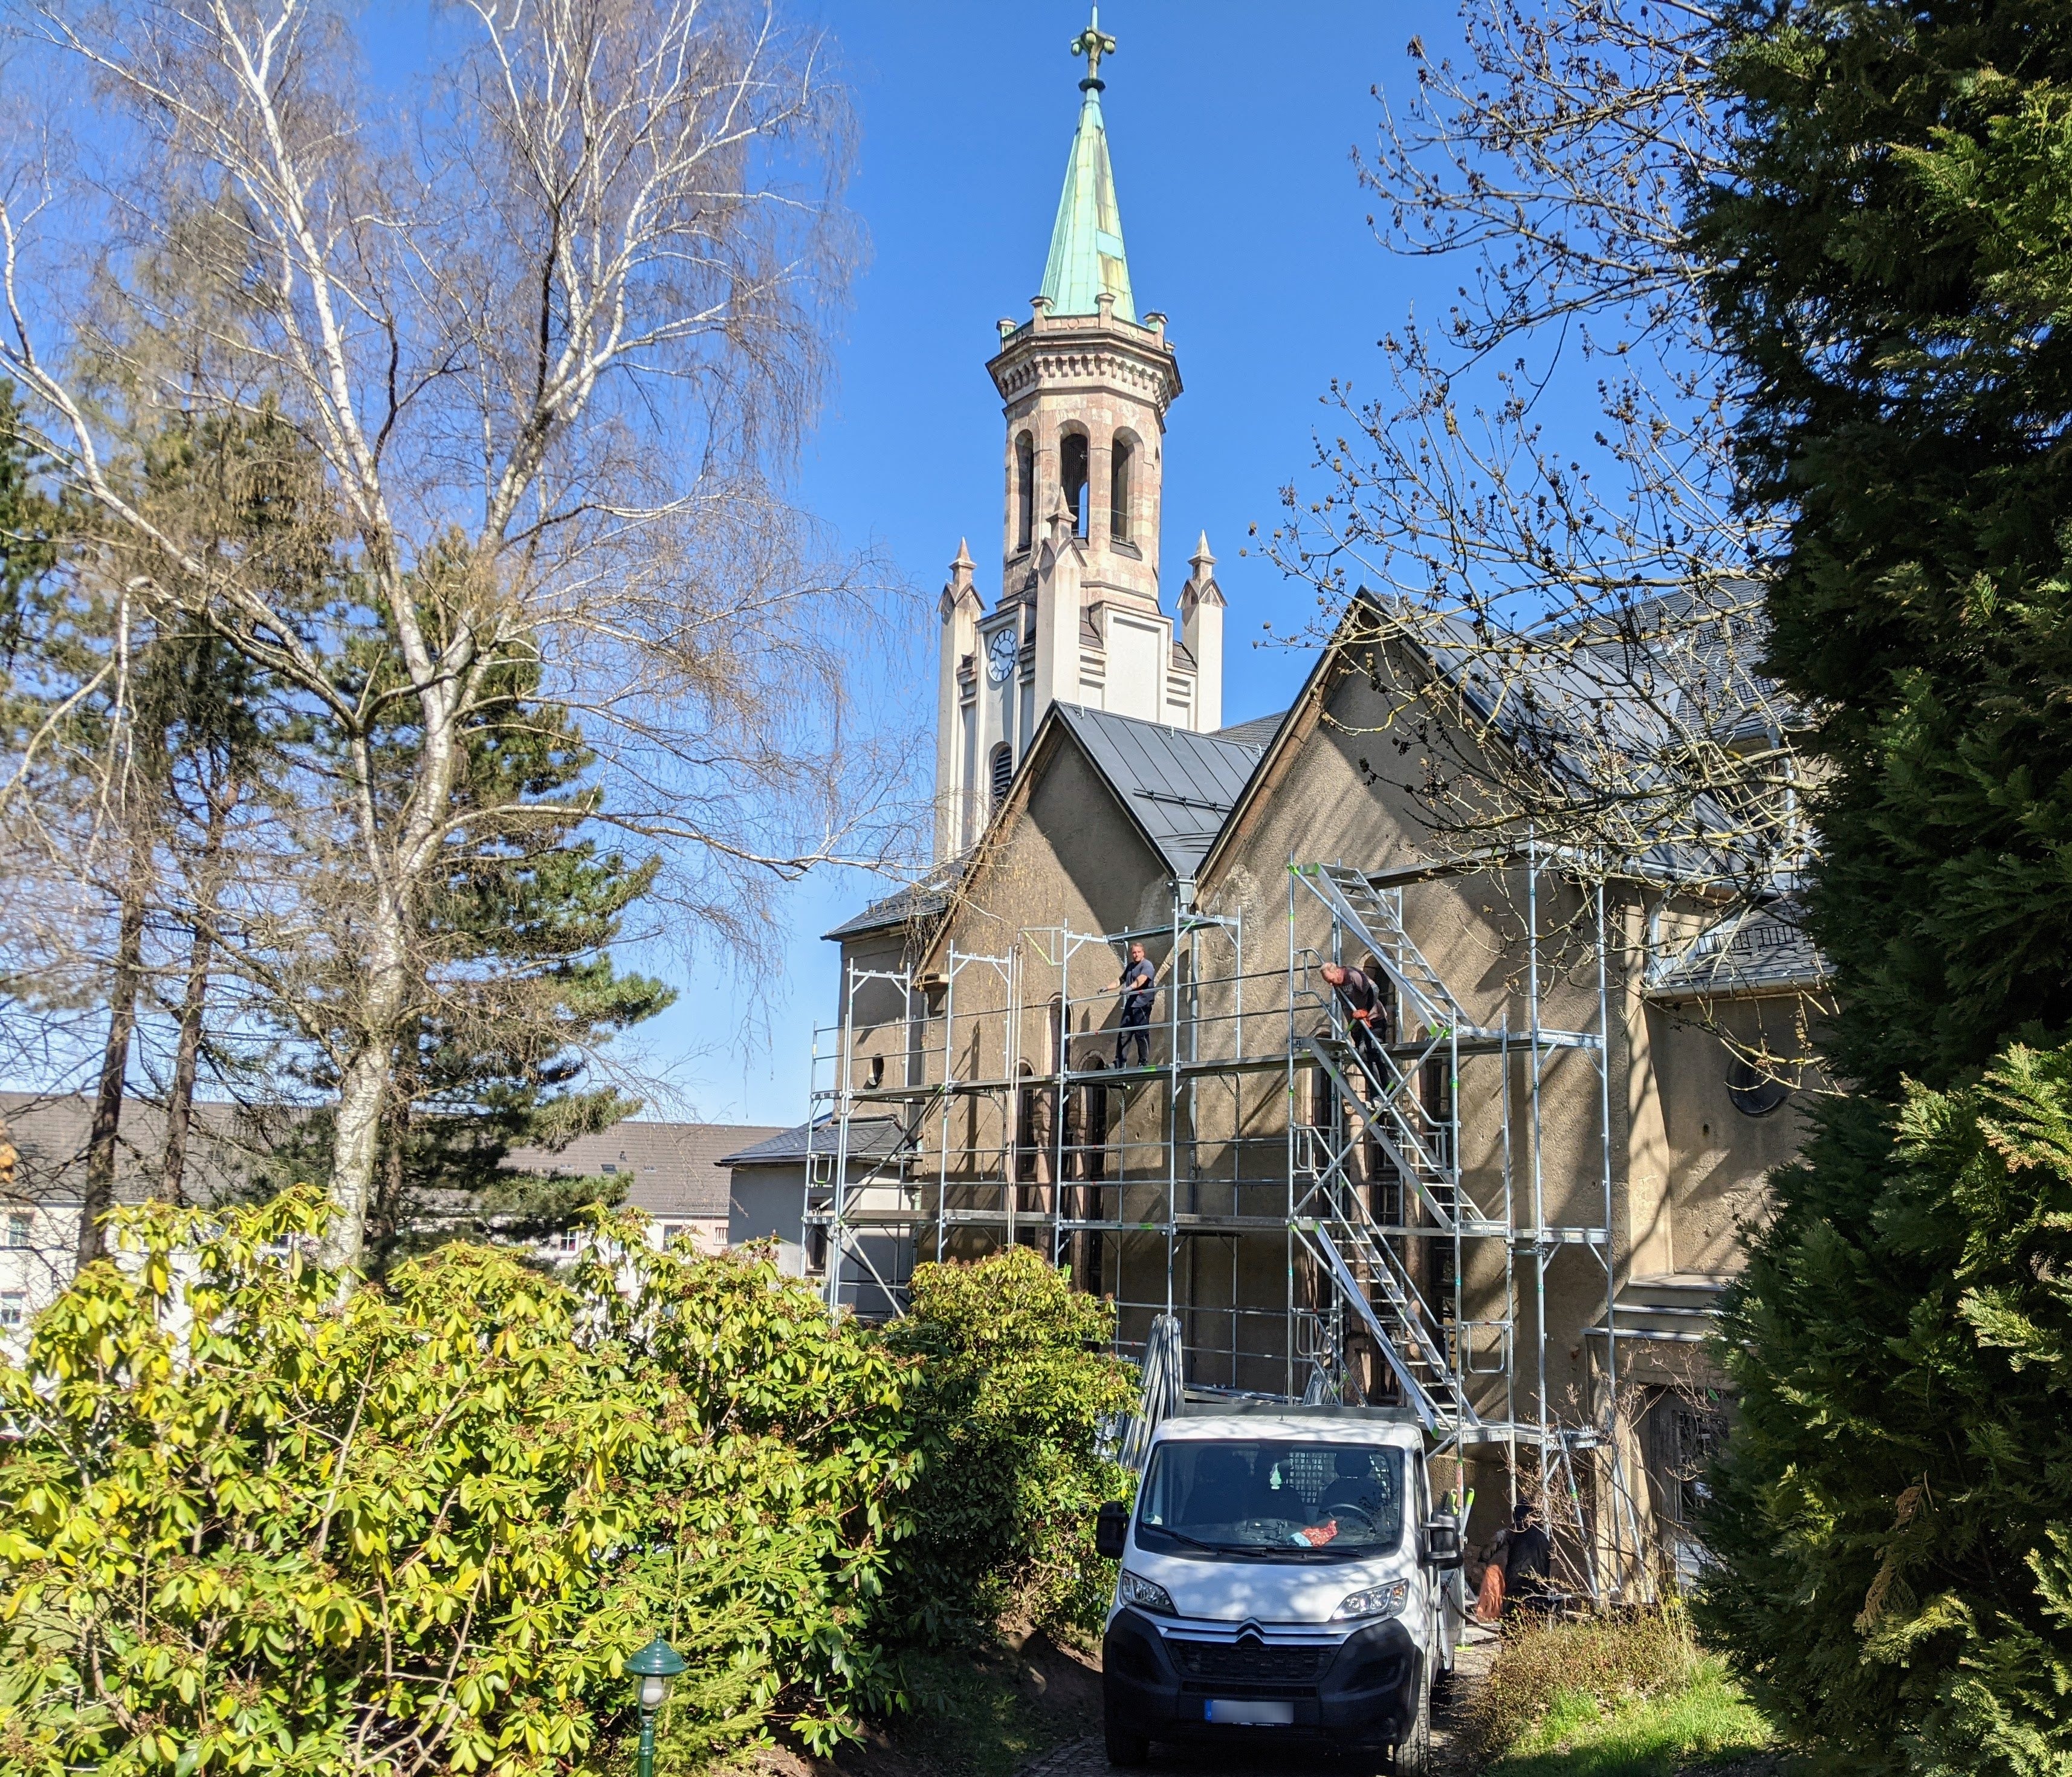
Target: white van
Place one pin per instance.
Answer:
(1284, 1581)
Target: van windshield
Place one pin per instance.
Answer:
(1288, 1501)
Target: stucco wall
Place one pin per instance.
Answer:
(768, 1203)
(1719, 1155)
(1656, 1124)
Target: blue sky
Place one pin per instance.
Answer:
(1231, 129)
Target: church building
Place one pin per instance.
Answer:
(1494, 1184)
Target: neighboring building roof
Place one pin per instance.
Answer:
(1761, 950)
(1179, 787)
(917, 903)
(869, 1139)
(671, 1168)
(1257, 732)
(228, 1146)
(1087, 255)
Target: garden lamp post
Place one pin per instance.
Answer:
(655, 1665)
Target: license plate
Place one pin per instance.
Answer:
(1251, 1712)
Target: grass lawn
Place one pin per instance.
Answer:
(1703, 1721)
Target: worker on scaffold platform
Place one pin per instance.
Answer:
(1136, 986)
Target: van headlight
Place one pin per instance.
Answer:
(1145, 1594)
(1376, 1602)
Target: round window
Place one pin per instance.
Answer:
(1754, 1091)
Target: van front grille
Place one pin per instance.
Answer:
(1248, 1662)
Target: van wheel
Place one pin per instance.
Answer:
(1414, 1756)
(1124, 1748)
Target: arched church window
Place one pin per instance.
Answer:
(1072, 473)
(1003, 771)
(1025, 490)
(1121, 461)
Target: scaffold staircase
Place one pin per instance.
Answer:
(1387, 1111)
(1374, 1093)
(1375, 917)
(1369, 1275)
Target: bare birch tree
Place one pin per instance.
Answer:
(551, 319)
(1594, 611)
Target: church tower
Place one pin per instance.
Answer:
(1084, 385)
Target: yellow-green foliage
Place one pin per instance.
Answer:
(247, 1526)
(1704, 1719)
(1013, 1377)
(1600, 1663)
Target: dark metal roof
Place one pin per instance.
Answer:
(916, 903)
(1674, 669)
(1256, 733)
(869, 1139)
(1180, 787)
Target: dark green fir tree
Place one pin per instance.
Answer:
(518, 993)
(1890, 262)
(522, 995)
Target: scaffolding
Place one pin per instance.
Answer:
(1265, 1120)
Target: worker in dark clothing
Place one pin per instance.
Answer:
(1135, 985)
(1527, 1555)
(1366, 1011)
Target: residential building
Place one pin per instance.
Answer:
(675, 1173)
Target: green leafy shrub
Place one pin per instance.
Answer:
(1014, 1382)
(248, 1525)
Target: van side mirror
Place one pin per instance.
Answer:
(1112, 1530)
(1442, 1542)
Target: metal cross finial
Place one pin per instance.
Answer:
(1091, 44)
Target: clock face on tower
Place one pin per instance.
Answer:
(1000, 653)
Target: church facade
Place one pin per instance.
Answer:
(1507, 1208)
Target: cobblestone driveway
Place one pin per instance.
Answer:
(1085, 1758)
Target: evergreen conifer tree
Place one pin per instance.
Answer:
(521, 991)
(29, 521)
(1891, 263)
(516, 988)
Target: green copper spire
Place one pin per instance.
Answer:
(1086, 242)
